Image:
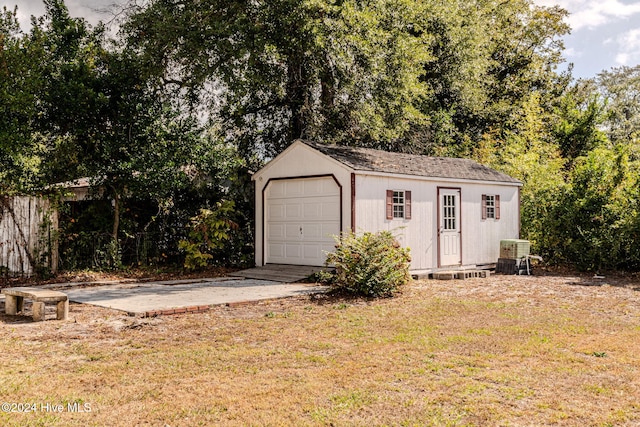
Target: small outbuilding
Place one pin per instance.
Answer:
(451, 212)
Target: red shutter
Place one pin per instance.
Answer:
(497, 199)
(407, 205)
(389, 204)
(483, 207)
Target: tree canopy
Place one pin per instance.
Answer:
(407, 75)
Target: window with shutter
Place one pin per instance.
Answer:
(490, 206)
(398, 204)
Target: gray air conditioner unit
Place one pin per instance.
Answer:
(514, 248)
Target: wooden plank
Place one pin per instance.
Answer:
(279, 272)
(26, 225)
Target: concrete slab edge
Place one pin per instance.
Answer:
(202, 308)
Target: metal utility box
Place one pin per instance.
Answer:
(514, 248)
(514, 266)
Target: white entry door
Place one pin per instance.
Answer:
(449, 227)
(302, 216)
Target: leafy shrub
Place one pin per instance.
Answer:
(600, 220)
(323, 277)
(371, 264)
(209, 230)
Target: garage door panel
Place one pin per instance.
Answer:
(276, 191)
(276, 250)
(275, 232)
(294, 188)
(293, 251)
(293, 211)
(303, 188)
(313, 210)
(276, 212)
(292, 232)
(321, 209)
(313, 187)
(316, 231)
(313, 231)
(331, 210)
(321, 232)
(320, 187)
(312, 252)
(303, 215)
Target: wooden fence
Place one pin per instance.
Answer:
(28, 231)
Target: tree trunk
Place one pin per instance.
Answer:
(116, 215)
(297, 96)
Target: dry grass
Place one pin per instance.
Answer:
(504, 351)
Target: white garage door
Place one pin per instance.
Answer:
(303, 215)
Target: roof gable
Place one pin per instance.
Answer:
(367, 159)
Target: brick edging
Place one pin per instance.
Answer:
(181, 310)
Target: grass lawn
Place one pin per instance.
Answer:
(503, 351)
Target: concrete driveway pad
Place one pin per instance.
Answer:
(155, 297)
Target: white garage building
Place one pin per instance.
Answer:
(450, 212)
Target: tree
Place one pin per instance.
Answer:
(76, 104)
(489, 56)
(528, 153)
(601, 212)
(578, 116)
(21, 82)
(620, 87)
(289, 69)
(406, 75)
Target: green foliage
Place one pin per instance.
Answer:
(578, 116)
(209, 231)
(370, 264)
(323, 277)
(472, 79)
(90, 249)
(581, 197)
(600, 216)
(488, 57)
(21, 83)
(405, 75)
(288, 69)
(529, 154)
(194, 258)
(110, 256)
(620, 87)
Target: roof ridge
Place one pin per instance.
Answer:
(372, 159)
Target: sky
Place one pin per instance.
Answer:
(605, 33)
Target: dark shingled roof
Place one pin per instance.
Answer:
(367, 159)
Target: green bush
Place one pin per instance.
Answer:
(208, 231)
(370, 264)
(600, 217)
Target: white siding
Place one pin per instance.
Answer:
(480, 238)
(417, 232)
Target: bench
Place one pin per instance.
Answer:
(15, 300)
